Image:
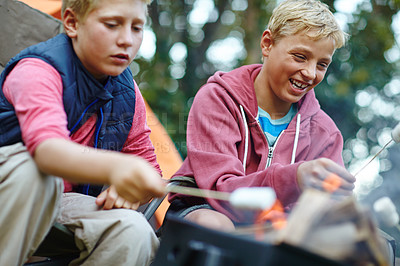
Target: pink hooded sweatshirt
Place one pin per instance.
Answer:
(227, 148)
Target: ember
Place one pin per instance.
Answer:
(275, 215)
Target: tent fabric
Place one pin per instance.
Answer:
(20, 28)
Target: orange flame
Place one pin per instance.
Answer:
(332, 183)
(274, 214)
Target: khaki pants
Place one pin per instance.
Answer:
(107, 237)
(31, 202)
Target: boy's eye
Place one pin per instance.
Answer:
(323, 65)
(137, 28)
(110, 25)
(299, 57)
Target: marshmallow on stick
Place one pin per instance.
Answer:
(249, 198)
(396, 133)
(387, 213)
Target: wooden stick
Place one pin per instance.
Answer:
(197, 192)
(246, 230)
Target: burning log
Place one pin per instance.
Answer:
(339, 230)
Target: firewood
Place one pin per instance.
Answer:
(341, 230)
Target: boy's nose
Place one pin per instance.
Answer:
(125, 37)
(309, 72)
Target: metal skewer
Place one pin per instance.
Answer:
(395, 137)
(376, 155)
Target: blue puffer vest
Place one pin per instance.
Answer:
(83, 96)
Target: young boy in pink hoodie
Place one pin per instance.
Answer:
(70, 108)
(261, 125)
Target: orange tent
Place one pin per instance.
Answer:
(51, 7)
(167, 155)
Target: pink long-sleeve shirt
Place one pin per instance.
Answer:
(35, 90)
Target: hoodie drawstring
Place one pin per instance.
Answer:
(296, 139)
(246, 140)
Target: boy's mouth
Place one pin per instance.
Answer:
(122, 56)
(299, 85)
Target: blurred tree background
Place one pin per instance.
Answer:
(186, 41)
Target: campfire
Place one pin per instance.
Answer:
(333, 227)
(320, 230)
(339, 230)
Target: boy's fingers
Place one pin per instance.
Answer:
(126, 205)
(160, 188)
(154, 184)
(334, 183)
(347, 186)
(101, 198)
(135, 206)
(119, 203)
(112, 197)
(342, 172)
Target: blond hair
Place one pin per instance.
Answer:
(310, 16)
(83, 7)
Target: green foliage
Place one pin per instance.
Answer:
(362, 66)
(169, 97)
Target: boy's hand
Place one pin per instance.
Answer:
(109, 199)
(133, 178)
(324, 174)
(136, 180)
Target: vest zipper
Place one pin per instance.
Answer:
(98, 128)
(86, 186)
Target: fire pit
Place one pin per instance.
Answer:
(185, 243)
(319, 231)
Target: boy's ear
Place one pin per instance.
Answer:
(70, 22)
(266, 42)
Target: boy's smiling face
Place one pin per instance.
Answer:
(293, 66)
(109, 38)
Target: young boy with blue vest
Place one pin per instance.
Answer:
(69, 108)
(261, 125)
